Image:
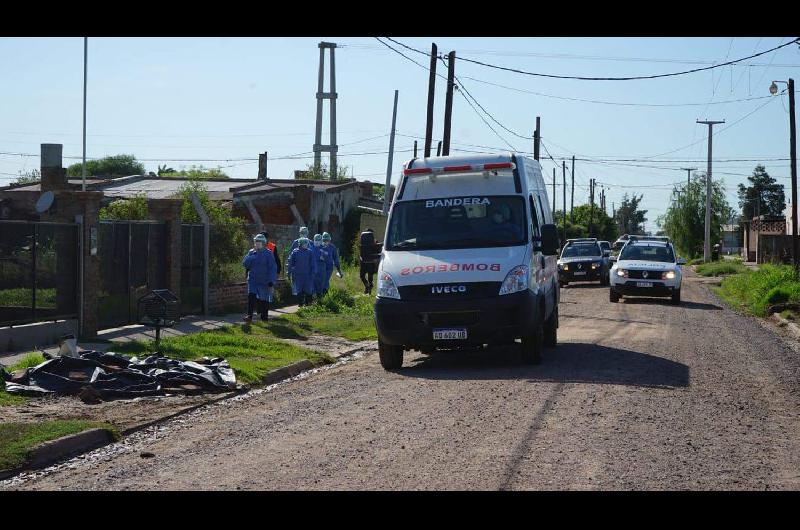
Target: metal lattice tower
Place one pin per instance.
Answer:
(321, 95)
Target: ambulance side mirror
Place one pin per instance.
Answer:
(550, 240)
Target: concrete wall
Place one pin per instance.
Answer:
(36, 335)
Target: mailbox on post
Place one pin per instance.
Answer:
(160, 308)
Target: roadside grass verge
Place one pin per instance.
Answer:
(345, 311)
(30, 360)
(695, 261)
(7, 399)
(720, 268)
(18, 439)
(755, 291)
(251, 350)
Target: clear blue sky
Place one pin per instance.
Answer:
(231, 98)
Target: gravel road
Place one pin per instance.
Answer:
(638, 395)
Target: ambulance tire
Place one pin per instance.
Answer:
(551, 329)
(532, 345)
(391, 356)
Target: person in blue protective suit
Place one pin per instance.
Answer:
(331, 255)
(302, 268)
(295, 244)
(262, 272)
(319, 259)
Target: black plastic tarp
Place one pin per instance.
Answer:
(113, 375)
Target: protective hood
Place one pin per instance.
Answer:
(421, 267)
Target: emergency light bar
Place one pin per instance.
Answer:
(448, 169)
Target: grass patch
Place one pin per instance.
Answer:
(22, 297)
(18, 439)
(720, 268)
(251, 350)
(754, 291)
(345, 311)
(7, 399)
(695, 261)
(29, 361)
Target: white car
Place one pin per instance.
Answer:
(646, 268)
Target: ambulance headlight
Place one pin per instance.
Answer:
(516, 280)
(386, 286)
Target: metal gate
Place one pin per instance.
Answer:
(192, 252)
(132, 263)
(38, 271)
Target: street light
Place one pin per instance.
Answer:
(773, 89)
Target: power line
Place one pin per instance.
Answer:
(575, 56)
(631, 78)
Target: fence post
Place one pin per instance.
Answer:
(206, 236)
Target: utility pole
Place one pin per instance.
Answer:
(707, 244)
(536, 139)
(689, 173)
(431, 94)
(591, 207)
(386, 190)
(554, 190)
(439, 148)
(331, 96)
(85, 61)
(572, 193)
(564, 203)
(415, 149)
(448, 102)
(793, 156)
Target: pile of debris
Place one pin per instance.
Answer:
(107, 375)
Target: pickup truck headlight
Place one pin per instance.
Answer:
(668, 275)
(622, 272)
(564, 266)
(516, 280)
(386, 286)
(595, 266)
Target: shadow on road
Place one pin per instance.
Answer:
(666, 301)
(567, 363)
(585, 285)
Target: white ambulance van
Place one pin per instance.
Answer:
(469, 258)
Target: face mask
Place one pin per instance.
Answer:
(317, 243)
(259, 245)
(326, 243)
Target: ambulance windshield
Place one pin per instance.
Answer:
(458, 222)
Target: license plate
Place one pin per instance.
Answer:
(450, 334)
(644, 284)
(581, 273)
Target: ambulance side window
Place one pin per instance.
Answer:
(534, 219)
(541, 208)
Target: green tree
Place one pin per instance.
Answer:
(134, 209)
(322, 173)
(193, 172)
(228, 240)
(629, 218)
(164, 169)
(603, 226)
(764, 196)
(110, 166)
(28, 177)
(685, 219)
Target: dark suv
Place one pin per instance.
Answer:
(583, 260)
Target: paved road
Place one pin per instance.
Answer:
(639, 395)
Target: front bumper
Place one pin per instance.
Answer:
(588, 275)
(659, 288)
(490, 320)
